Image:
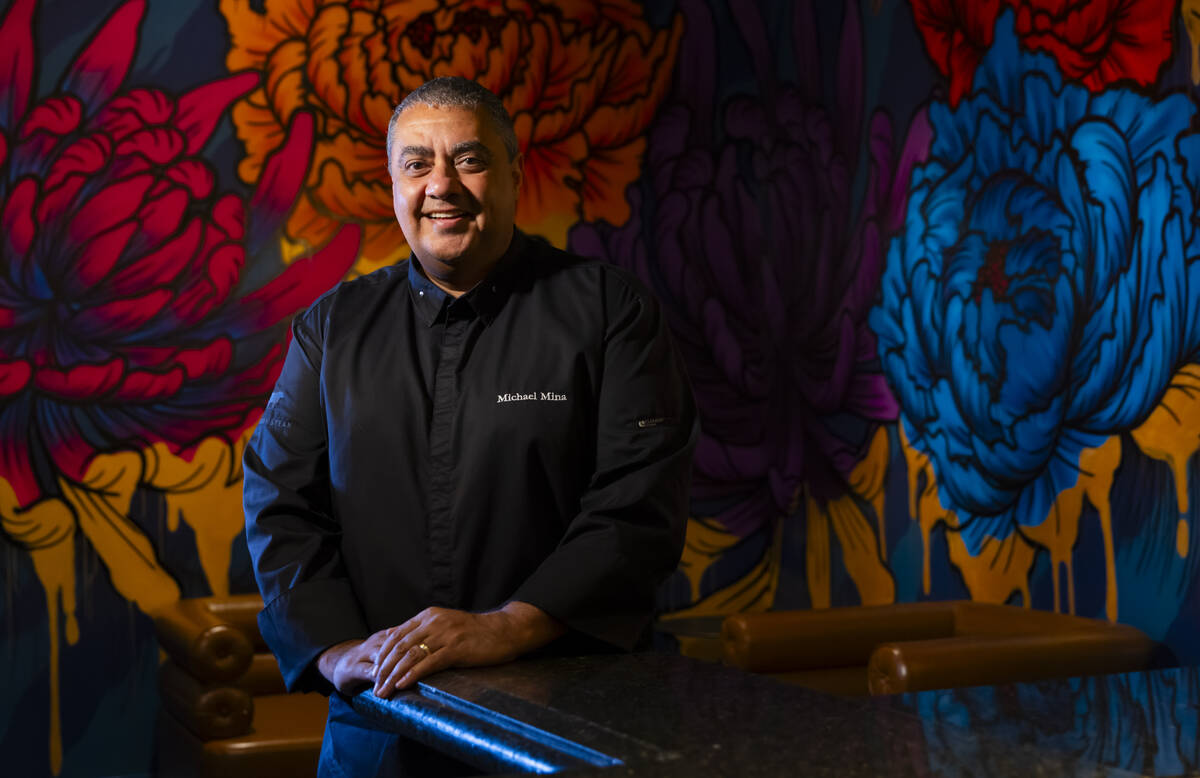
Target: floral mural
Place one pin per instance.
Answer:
(132, 355)
(1095, 43)
(1039, 297)
(581, 80)
(933, 266)
(1038, 302)
(757, 245)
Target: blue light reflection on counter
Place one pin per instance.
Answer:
(1146, 722)
(477, 735)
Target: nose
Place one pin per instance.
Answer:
(442, 180)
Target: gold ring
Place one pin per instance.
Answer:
(425, 648)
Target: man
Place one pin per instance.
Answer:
(480, 452)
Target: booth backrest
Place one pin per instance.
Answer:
(226, 710)
(886, 649)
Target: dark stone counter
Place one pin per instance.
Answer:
(664, 715)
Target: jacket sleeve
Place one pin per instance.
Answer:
(628, 535)
(293, 538)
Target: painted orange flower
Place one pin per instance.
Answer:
(582, 80)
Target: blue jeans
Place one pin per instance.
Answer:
(352, 748)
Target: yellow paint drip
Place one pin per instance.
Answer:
(818, 567)
(206, 492)
(1000, 568)
(1182, 538)
(1190, 11)
(860, 552)
(46, 529)
(753, 592)
(1171, 433)
(1004, 567)
(867, 480)
(1060, 531)
(706, 541)
(1058, 534)
(924, 506)
(101, 502)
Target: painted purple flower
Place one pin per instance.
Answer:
(750, 234)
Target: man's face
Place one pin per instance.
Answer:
(453, 187)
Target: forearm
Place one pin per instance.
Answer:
(528, 626)
(601, 580)
(309, 603)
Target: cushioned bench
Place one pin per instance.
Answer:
(887, 649)
(225, 709)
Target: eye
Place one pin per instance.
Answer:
(414, 167)
(471, 162)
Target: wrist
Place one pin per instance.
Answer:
(327, 660)
(530, 626)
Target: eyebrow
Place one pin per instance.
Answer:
(467, 146)
(473, 147)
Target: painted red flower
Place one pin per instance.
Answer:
(1096, 42)
(124, 315)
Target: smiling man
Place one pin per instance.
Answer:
(455, 175)
(478, 453)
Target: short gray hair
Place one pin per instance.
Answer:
(459, 92)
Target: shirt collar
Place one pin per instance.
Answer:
(486, 299)
(427, 297)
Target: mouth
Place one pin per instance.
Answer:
(446, 217)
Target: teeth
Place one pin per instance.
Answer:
(443, 215)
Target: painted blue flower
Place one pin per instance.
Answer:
(1044, 287)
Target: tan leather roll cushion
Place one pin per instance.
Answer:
(780, 641)
(207, 646)
(210, 712)
(980, 660)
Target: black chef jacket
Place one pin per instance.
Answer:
(530, 440)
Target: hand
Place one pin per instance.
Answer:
(440, 638)
(350, 665)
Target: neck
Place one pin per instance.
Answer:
(453, 284)
(457, 280)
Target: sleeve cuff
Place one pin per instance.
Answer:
(618, 620)
(302, 622)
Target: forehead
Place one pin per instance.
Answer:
(440, 127)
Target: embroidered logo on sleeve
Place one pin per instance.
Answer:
(274, 416)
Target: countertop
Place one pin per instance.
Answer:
(665, 715)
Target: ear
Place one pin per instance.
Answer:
(518, 172)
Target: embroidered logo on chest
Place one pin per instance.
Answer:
(520, 397)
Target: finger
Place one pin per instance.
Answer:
(404, 651)
(360, 671)
(396, 650)
(396, 638)
(394, 635)
(387, 641)
(438, 660)
(352, 673)
(386, 665)
(413, 657)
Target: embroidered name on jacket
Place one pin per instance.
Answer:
(535, 396)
